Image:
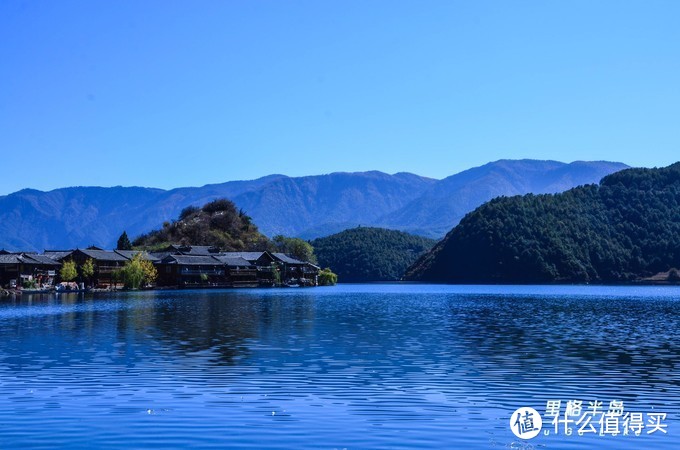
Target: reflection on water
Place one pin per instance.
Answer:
(350, 366)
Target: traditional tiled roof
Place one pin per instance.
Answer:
(248, 256)
(187, 260)
(129, 254)
(201, 250)
(103, 255)
(233, 262)
(286, 259)
(10, 259)
(40, 259)
(57, 255)
(27, 258)
(161, 255)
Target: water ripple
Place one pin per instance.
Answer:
(355, 366)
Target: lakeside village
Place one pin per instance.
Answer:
(177, 266)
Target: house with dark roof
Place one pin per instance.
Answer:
(10, 269)
(206, 271)
(295, 271)
(257, 258)
(191, 271)
(239, 272)
(264, 263)
(45, 270)
(57, 255)
(129, 254)
(177, 265)
(259, 267)
(106, 263)
(18, 268)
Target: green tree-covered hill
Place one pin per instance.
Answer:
(625, 228)
(217, 223)
(370, 254)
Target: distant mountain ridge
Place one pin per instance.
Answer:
(307, 207)
(445, 203)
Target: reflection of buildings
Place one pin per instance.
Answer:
(222, 327)
(177, 266)
(206, 328)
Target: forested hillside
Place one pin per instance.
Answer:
(624, 229)
(370, 254)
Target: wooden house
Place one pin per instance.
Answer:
(239, 272)
(18, 268)
(105, 263)
(191, 271)
(265, 265)
(295, 271)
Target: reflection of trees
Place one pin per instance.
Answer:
(205, 328)
(206, 322)
(223, 323)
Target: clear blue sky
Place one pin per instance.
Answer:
(170, 93)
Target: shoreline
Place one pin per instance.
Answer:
(9, 293)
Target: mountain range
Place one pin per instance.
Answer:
(307, 207)
(623, 229)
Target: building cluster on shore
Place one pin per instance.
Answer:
(182, 266)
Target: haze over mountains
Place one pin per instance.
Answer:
(306, 207)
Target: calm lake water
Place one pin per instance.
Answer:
(353, 366)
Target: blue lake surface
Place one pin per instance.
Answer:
(351, 366)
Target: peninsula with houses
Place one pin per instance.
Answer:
(177, 266)
(214, 246)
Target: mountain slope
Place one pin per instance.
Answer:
(308, 207)
(626, 228)
(82, 216)
(370, 254)
(443, 205)
(34, 220)
(293, 205)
